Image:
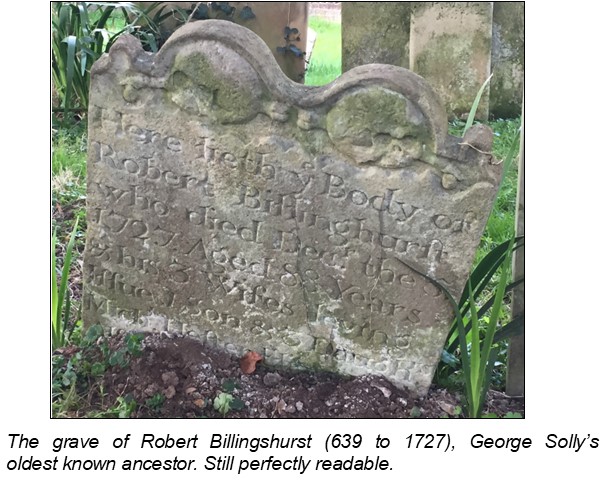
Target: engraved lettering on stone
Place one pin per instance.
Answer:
(317, 226)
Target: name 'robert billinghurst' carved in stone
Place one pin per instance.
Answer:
(315, 225)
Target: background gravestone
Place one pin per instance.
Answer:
(507, 59)
(375, 32)
(450, 46)
(453, 45)
(315, 225)
(268, 20)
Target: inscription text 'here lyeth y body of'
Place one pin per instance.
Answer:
(317, 226)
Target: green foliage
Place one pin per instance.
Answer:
(479, 330)
(69, 152)
(60, 297)
(79, 370)
(155, 402)
(415, 412)
(82, 32)
(474, 108)
(124, 407)
(225, 401)
(475, 342)
(326, 60)
(78, 40)
(222, 403)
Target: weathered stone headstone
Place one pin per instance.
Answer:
(375, 32)
(450, 46)
(507, 59)
(314, 225)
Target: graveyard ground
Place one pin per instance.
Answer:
(178, 377)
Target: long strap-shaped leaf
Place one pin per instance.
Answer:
(481, 276)
(453, 339)
(512, 328)
(59, 328)
(474, 107)
(487, 343)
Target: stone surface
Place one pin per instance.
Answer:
(375, 32)
(317, 226)
(450, 46)
(507, 59)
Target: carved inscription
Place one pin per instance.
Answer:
(312, 239)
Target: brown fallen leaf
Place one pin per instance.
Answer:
(248, 362)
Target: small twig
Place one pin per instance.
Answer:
(193, 11)
(474, 147)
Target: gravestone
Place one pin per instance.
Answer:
(507, 59)
(318, 226)
(268, 20)
(450, 46)
(375, 32)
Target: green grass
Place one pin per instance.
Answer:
(69, 151)
(326, 60)
(501, 223)
(68, 182)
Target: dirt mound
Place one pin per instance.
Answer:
(179, 377)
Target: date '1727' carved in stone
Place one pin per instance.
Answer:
(317, 226)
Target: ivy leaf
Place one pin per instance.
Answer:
(449, 358)
(237, 404)
(93, 334)
(224, 7)
(296, 51)
(289, 31)
(247, 14)
(118, 358)
(202, 12)
(133, 342)
(228, 385)
(97, 369)
(222, 403)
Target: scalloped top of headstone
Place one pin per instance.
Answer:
(318, 226)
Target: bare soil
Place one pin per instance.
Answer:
(183, 377)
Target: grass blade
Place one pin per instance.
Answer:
(453, 340)
(54, 294)
(463, 348)
(71, 42)
(495, 311)
(475, 353)
(512, 328)
(57, 327)
(474, 108)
